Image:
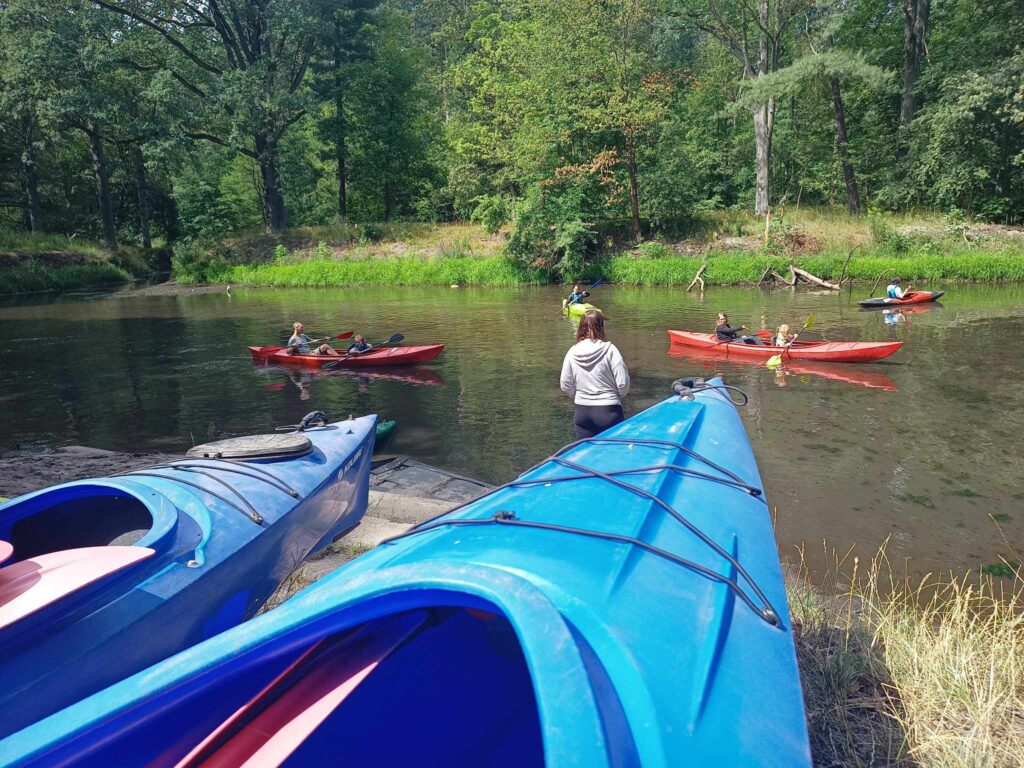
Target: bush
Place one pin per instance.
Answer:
(551, 230)
(491, 211)
(885, 237)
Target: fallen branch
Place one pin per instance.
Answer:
(797, 272)
(697, 278)
(842, 275)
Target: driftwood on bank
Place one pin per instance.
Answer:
(697, 278)
(805, 275)
(770, 275)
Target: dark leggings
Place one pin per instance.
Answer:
(594, 419)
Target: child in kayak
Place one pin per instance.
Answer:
(300, 344)
(892, 291)
(725, 332)
(595, 376)
(783, 338)
(359, 346)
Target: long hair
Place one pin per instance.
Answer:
(591, 326)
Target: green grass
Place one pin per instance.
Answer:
(31, 276)
(401, 270)
(26, 243)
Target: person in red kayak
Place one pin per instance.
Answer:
(892, 291)
(595, 376)
(725, 332)
(359, 345)
(301, 344)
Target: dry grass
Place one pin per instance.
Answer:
(899, 673)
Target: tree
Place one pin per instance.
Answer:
(243, 65)
(916, 13)
(754, 33)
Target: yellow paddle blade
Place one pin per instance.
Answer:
(774, 361)
(808, 322)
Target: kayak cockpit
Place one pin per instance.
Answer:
(442, 686)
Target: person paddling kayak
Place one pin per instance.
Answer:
(893, 291)
(595, 376)
(577, 295)
(725, 332)
(300, 344)
(783, 338)
(359, 345)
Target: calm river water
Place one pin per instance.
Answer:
(924, 448)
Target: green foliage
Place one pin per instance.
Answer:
(491, 211)
(34, 276)
(551, 228)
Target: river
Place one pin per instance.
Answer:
(924, 449)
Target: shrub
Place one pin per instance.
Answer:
(492, 212)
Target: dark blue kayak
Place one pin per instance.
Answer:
(620, 604)
(103, 578)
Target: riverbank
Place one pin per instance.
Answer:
(31, 263)
(736, 249)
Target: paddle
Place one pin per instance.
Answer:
(395, 339)
(584, 295)
(776, 360)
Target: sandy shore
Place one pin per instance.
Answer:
(24, 472)
(169, 288)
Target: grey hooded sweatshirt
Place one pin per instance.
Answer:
(593, 373)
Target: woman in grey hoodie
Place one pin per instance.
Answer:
(595, 377)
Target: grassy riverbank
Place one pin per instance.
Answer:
(31, 263)
(735, 247)
(912, 674)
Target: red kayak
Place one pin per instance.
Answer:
(912, 297)
(381, 356)
(828, 351)
(850, 374)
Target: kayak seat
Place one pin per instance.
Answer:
(30, 585)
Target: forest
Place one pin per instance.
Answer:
(570, 125)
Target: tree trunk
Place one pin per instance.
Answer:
(634, 197)
(273, 197)
(341, 155)
(142, 189)
(852, 198)
(916, 13)
(31, 184)
(100, 171)
(763, 141)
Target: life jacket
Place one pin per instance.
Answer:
(891, 291)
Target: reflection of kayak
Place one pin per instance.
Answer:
(872, 379)
(382, 356)
(908, 309)
(914, 297)
(111, 575)
(426, 377)
(830, 351)
(612, 619)
(577, 310)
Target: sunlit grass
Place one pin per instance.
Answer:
(28, 243)
(898, 672)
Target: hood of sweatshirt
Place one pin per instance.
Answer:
(589, 352)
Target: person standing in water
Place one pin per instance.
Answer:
(595, 376)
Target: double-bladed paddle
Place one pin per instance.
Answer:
(776, 360)
(395, 339)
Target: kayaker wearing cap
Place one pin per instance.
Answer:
(595, 376)
(359, 346)
(725, 332)
(300, 344)
(893, 291)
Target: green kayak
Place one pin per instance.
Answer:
(578, 309)
(384, 429)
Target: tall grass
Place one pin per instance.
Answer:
(33, 276)
(901, 673)
(28, 243)
(402, 270)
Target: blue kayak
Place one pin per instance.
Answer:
(620, 604)
(103, 578)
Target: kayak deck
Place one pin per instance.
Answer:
(380, 356)
(826, 351)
